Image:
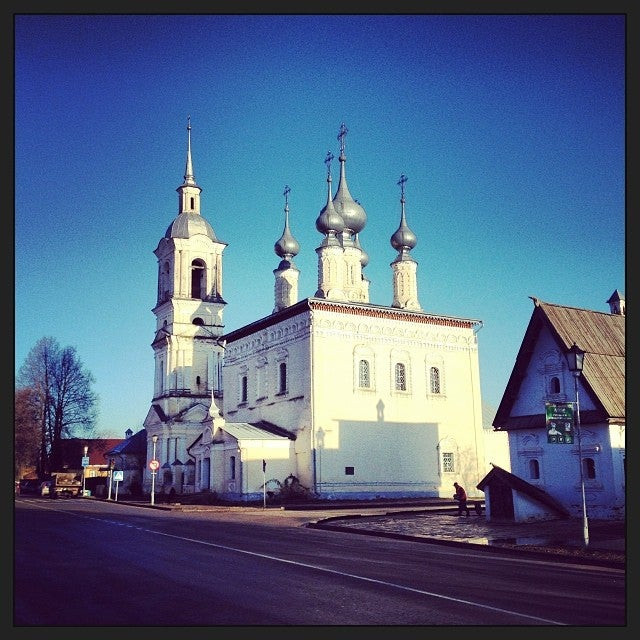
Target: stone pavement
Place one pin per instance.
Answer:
(447, 525)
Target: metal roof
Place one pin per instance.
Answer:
(248, 431)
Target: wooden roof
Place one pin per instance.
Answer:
(498, 475)
(600, 335)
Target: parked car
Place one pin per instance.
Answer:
(29, 486)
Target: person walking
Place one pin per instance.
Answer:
(460, 496)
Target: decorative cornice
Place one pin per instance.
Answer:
(359, 309)
(372, 311)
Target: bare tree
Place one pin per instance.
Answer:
(65, 403)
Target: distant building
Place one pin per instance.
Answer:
(350, 398)
(129, 456)
(541, 376)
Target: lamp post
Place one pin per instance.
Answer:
(575, 360)
(154, 439)
(84, 470)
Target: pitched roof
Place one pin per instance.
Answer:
(97, 448)
(501, 476)
(600, 335)
(135, 445)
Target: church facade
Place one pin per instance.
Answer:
(352, 399)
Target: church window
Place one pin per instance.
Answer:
(364, 374)
(282, 377)
(261, 378)
(434, 380)
(198, 289)
(198, 322)
(192, 200)
(448, 462)
(534, 469)
(244, 393)
(401, 377)
(554, 385)
(232, 467)
(589, 468)
(165, 282)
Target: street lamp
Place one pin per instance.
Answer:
(575, 360)
(154, 439)
(84, 470)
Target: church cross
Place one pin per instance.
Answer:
(401, 182)
(328, 160)
(342, 135)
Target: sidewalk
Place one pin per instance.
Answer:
(436, 520)
(564, 538)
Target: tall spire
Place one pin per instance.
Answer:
(188, 171)
(189, 191)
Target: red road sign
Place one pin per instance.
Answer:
(154, 465)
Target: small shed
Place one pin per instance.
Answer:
(512, 499)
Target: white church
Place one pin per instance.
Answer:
(354, 399)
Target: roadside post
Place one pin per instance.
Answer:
(264, 484)
(85, 464)
(154, 465)
(112, 464)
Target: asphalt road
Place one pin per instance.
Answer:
(93, 563)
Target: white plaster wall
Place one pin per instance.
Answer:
(559, 465)
(392, 438)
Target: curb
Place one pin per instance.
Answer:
(565, 558)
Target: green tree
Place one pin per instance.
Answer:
(65, 404)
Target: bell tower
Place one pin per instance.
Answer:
(186, 346)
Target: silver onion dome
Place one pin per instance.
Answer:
(364, 257)
(287, 246)
(329, 221)
(353, 214)
(403, 239)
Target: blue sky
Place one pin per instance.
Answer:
(509, 128)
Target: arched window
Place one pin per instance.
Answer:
(244, 390)
(554, 385)
(534, 469)
(282, 377)
(589, 468)
(448, 462)
(364, 374)
(434, 379)
(401, 377)
(165, 282)
(198, 288)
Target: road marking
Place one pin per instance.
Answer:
(317, 568)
